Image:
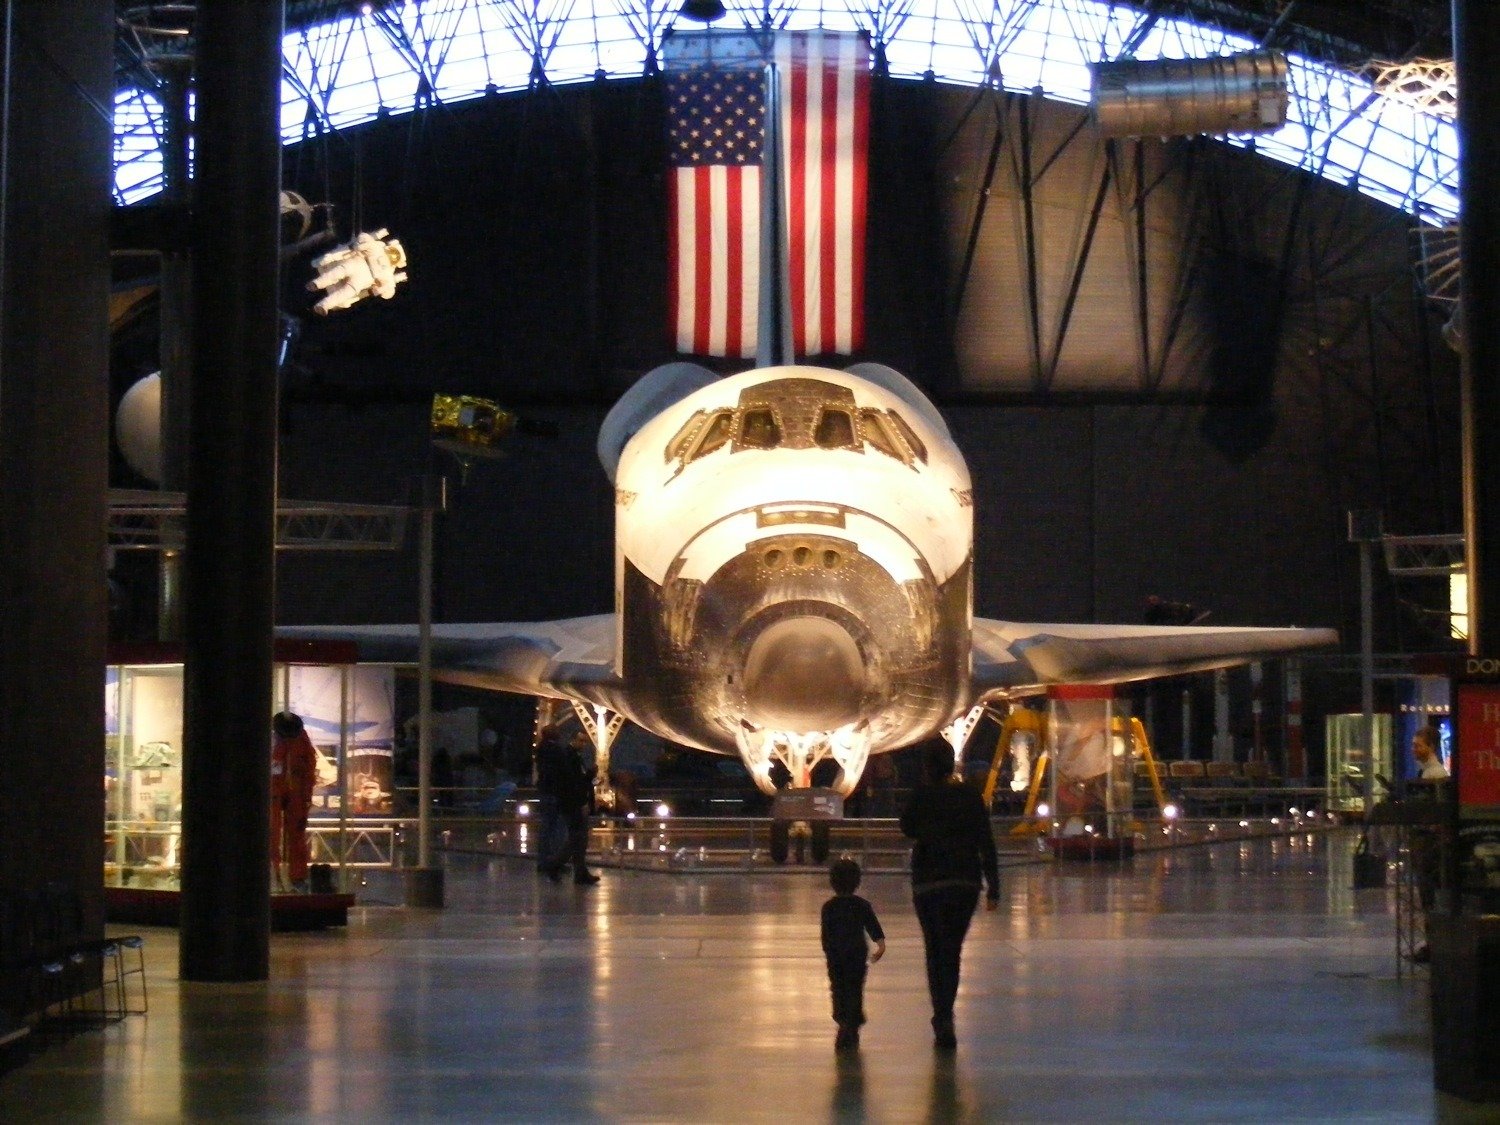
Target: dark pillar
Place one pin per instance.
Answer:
(55, 175)
(1465, 987)
(174, 336)
(229, 571)
(1476, 46)
(1465, 1005)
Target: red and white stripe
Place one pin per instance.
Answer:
(715, 248)
(715, 213)
(825, 94)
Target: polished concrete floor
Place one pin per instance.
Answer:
(1239, 982)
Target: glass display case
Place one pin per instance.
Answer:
(142, 773)
(348, 710)
(1348, 759)
(1093, 779)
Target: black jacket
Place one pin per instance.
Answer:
(549, 767)
(955, 845)
(846, 920)
(575, 781)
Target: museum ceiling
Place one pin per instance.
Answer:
(1343, 29)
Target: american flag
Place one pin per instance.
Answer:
(717, 138)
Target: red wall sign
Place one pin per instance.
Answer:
(1478, 752)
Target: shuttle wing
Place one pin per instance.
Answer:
(1015, 658)
(568, 659)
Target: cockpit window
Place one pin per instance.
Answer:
(715, 434)
(835, 430)
(872, 427)
(678, 446)
(909, 436)
(759, 429)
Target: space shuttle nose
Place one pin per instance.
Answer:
(804, 674)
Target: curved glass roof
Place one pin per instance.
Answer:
(394, 57)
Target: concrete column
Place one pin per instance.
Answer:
(1294, 753)
(230, 566)
(1185, 751)
(55, 178)
(1223, 750)
(174, 346)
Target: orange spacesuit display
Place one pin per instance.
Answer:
(294, 773)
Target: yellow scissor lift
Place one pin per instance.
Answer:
(1023, 720)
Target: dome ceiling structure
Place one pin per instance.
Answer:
(348, 63)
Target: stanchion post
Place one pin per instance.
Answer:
(424, 883)
(344, 717)
(1365, 530)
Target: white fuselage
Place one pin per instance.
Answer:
(793, 554)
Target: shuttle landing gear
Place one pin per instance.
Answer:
(781, 839)
(803, 807)
(791, 838)
(820, 840)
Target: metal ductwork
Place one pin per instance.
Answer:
(1244, 93)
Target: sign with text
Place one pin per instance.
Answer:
(817, 803)
(1477, 756)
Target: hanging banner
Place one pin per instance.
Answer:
(717, 138)
(1477, 756)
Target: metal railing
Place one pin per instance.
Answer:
(365, 843)
(728, 845)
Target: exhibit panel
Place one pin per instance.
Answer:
(348, 709)
(349, 714)
(1348, 759)
(1426, 701)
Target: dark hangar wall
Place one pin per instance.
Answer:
(1285, 371)
(1195, 361)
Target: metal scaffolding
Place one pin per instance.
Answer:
(147, 520)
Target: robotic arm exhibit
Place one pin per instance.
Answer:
(370, 265)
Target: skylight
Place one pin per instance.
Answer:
(344, 72)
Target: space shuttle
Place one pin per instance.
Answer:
(793, 583)
(794, 561)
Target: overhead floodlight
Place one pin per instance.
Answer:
(704, 11)
(369, 265)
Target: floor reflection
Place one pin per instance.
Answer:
(848, 1096)
(1241, 981)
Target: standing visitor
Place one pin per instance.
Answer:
(575, 801)
(552, 829)
(953, 853)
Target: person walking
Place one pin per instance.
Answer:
(552, 829)
(847, 918)
(575, 800)
(953, 853)
(1423, 841)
